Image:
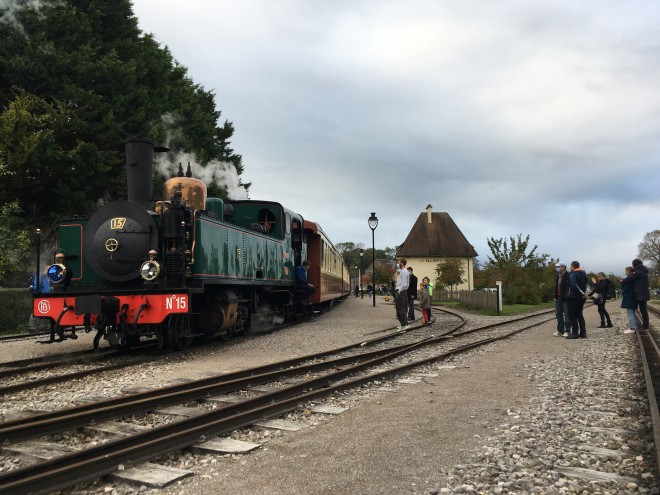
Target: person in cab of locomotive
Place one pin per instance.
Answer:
(577, 295)
(561, 305)
(401, 295)
(598, 294)
(303, 287)
(412, 295)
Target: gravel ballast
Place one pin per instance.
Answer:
(532, 414)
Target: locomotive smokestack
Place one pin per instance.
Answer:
(139, 171)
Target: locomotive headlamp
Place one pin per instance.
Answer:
(150, 269)
(56, 273)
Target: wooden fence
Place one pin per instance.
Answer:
(478, 299)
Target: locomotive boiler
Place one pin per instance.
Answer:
(184, 267)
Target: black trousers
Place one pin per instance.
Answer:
(578, 325)
(604, 315)
(644, 311)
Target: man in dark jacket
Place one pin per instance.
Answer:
(561, 306)
(577, 295)
(412, 295)
(640, 281)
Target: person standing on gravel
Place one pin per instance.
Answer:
(561, 306)
(628, 300)
(429, 288)
(412, 294)
(401, 295)
(577, 294)
(640, 282)
(424, 302)
(601, 288)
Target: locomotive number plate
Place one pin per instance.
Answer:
(117, 223)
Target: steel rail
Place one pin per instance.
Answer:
(66, 419)
(96, 461)
(650, 354)
(78, 416)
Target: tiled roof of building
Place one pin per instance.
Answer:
(436, 234)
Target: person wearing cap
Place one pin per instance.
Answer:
(576, 297)
(640, 282)
(561, 306)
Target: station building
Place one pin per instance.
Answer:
(434, 238)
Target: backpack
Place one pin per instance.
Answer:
(611, 290)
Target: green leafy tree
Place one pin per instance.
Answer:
(77, 80)
(14, 242)
(351, 254)
(524, 275)
(449, 273)
(649, 249)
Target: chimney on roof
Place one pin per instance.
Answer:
(428, 213)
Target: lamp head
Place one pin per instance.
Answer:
(373, 221)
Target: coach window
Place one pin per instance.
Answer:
(288, 223)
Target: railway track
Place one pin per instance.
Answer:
(314, 377)
(26, 374)
(650, 354)
(22, 336)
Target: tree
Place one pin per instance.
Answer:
(77, 80)
(506, 257)
(525, 276)
(449, 272)
(649, 249)
(14, 241)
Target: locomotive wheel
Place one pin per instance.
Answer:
(159, 333)
(178, 332)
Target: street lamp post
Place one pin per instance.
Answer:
(361, 255)
(373, 223)
(357, 282)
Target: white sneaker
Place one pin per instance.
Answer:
(629, 330)
(566, 334)
(405, 328)
(557, 334)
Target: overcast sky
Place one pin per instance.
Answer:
(530, 117)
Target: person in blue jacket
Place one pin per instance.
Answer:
(40, 283)
(577, 295)
(303, 287)
(640, 282)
